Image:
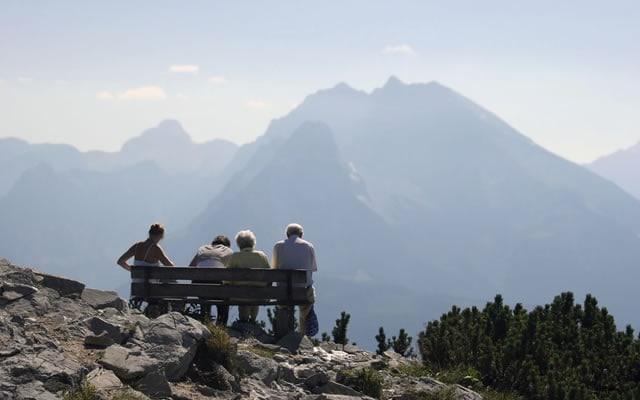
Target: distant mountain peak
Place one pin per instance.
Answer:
(393, 81)
(169, 133)
(171, 125)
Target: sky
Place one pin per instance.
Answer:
(94, 74)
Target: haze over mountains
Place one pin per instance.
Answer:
(415, 197)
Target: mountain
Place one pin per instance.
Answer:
(461, 197)
(76, 212)
(621, 168)
(171, 147)
(304, 178)
(414, 196)
(17, 156)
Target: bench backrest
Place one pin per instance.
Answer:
(243, 285)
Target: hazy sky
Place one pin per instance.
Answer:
(565, 73)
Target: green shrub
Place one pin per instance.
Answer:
(366, 380)
(82, 391)
(218, 348)
(415, 370)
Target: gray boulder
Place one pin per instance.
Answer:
(10, 291)
(103, 379)
(336, 388)
(264, 369)
(64, 286)
(100, 299)
(126, 363)
(295, 342)
(155, 385)
(104, 333)
(172, 340)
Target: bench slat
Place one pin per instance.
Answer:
(178, 290)
(219, 274)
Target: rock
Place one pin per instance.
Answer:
(64, 286)
(330, 346)
(44, 324)
(463, 393)
(103, 379)
(13, 291)
(246, 330)
(318, 379)
(155, 385)
(100, 299)
(264, 369)
(31, 390)
(351, 349)
(127, 364)
(101, 340)
(336, 388)
(226, 381)
(103, 330)
(172, 340)
(295, 341)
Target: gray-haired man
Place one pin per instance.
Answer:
(295, 253)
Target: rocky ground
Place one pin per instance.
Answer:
(58, 337)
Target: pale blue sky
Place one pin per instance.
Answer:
(565, 73)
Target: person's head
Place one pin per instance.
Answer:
(156, 231)
(294, 229)
(245, 239)
(221, 239)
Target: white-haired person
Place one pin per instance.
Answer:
(296, 253)
(248, 257)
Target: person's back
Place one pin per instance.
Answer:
(295, 253)
(247, 257)
(214, 255)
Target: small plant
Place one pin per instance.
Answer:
(496, 395)
(402, 344)
(262, 352)
(81, 391)
(457, 375)
(339, 332)
(381, 338)
(415, 370)
(325, 337)
(218, 348)
(366, 380)
(126, 394)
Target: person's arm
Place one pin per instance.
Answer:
(122, 261)
(164, 259)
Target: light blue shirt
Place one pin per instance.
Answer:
(295, 253)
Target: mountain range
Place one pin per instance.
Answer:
(415, 197)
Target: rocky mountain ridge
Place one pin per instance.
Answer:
(59, 336)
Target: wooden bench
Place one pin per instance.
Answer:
(175, 285)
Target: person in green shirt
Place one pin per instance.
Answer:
(248, 257)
